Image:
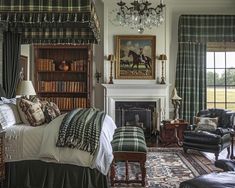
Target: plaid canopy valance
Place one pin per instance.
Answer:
(50, 21)
(206, 28)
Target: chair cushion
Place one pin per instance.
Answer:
(201, 137)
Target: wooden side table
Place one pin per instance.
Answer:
(2, 155)
(172, 132)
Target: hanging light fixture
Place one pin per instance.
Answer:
(139, 15)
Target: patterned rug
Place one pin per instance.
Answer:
(167, 167)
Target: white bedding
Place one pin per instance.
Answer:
(24, 142)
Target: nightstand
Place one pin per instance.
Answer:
(2, 156)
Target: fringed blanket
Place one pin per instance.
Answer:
(81, 129)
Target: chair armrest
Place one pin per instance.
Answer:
(225, 164)
(222, 131)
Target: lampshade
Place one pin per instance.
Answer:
(111, 57)
(162, 57)
(175, 95)
(25, 87)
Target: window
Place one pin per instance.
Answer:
(221, 76)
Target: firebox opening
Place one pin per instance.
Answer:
(137, 113)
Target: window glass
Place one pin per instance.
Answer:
(221, 75)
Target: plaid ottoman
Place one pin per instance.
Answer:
(129, 146)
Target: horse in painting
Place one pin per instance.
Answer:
(136, 60)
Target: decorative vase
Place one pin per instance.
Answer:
(63, 66)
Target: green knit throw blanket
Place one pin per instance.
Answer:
(81, 129)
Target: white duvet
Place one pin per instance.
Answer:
(24, 142)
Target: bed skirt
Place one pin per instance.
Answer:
(39, 174)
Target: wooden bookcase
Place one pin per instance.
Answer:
(69, 88)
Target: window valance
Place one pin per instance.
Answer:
(50, 21)
(206, 28)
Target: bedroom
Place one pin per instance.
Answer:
(166, 42)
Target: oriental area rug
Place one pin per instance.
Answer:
(167, 167)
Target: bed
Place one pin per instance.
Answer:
(33, 160)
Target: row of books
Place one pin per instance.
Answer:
(65, 103)
(45, 65)
(78, 65)
(61, 86)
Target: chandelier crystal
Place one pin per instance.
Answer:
(139, 15)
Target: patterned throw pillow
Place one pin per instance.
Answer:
(50, 110)
(207, 124)
(31, 112)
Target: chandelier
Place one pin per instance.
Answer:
(139, 15)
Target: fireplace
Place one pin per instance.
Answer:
(137, 113)
(120, 99)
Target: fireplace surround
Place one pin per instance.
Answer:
(125, 93)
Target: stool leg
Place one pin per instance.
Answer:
(112, 176)
(143, 172)
(127, 174)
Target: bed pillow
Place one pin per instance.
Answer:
(50, 110)
(31, 112)
(207, 124)
(205, 120)
(9, 115)
(7, 101)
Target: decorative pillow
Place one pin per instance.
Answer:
(7, 101)
(207, 124)
(204, 120)
(31, 112)
(9, 115)
(50, 110)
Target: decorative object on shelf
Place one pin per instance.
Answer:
(98, 76)
(163, 58)
(139, 15)
(176, 103)
(111, 58)
(25, 88)
(63, 66)
(135, 57)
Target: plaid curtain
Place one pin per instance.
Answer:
(40, 21)
(194, 31)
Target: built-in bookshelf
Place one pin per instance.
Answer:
(62, 75)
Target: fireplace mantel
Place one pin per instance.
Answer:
(136, 92)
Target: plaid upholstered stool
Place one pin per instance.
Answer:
(129, 146)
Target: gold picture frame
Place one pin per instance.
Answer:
(135, 56)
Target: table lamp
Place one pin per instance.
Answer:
(25, 88)
(163, 58)
(111, 58)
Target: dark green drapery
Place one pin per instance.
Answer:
(194, 31)
(11, 56)
(40, 21)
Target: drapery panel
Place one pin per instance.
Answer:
(11, 67)
(40, 21)
(191, 78)
(194, 31)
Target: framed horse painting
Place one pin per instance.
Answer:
(135, 56)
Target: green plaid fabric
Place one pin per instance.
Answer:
(206, 28)
(194, 31)
(131, 141)
(70, 21)
(45, 5)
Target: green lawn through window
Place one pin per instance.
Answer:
(220, 98)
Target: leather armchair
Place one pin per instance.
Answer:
(213, 141)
